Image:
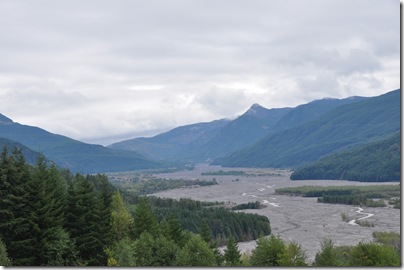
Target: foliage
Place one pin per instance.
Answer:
(373, 254)
(389, 238)
(249, 205)
(153, 250)
(121, 221)
(84, 220)
(144, 218)
(375, 162)
(268, 251)
(293, 255)
(145, 184)
(354, 195)
(17, 197)
(327, 255)
(121, 253)
(222, 223)
(232, 254)
(196, 252)
(4, 259)
(221, 172)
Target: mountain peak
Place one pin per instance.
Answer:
(256, 110)
(255, 106)
(4, 119)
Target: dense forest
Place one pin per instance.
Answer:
(371, 196)
(375, 162)
(54, 218)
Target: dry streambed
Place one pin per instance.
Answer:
(293, 218)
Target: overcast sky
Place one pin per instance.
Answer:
(106, 70)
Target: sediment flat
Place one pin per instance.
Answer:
(293, 218)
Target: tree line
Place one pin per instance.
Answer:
(53, 218)
(374, 162)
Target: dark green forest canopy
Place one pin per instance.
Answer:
(353, 195)
(52, 217)
(374, 162)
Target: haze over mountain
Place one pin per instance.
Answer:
(68, 153)
(219, 139)
(344, 127)
(279, 137)
(169, 144)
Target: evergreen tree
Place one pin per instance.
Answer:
(121, 253)
(232, 254)
(206, 232)
(4, 259)
(54, 244)
(83, 221)
(172, 229)
(145, 220)
(268, 251)
(155, 251)
(17, 229)
(293, 256)
(196, 252)
(121, 222)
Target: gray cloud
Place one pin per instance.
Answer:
(108, 69)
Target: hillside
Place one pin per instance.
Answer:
(169, 144)
(245, 130)
(30, 155)
(206, 141)
(373, 162)
(72, 154)
(344, 127)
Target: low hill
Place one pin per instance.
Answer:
(72, 154)
(374, 162)
(344, 127)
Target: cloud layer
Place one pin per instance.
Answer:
(103, 70)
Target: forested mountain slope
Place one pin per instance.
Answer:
(72, 154)
(245, 130)
(30, 155)
(345, 127)
(374, 162)
(202, 142)
(169, 144)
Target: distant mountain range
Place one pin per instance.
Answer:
(68, 153)
(343, 127)
(261, 137)
(220, 139)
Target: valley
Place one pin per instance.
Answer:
(293, 218)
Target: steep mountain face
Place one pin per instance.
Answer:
(74, 155)
(310, 111)
(245, 130)
(344, 127)
(374, 162)
(169, 144)
(204, 142)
